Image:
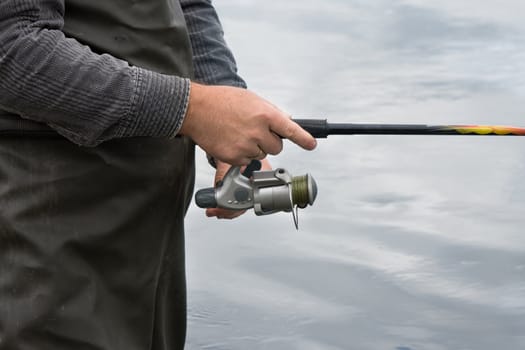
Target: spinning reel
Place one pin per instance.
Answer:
(267, 192)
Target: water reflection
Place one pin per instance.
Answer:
(414, 242)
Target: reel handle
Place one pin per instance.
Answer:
(205, 198)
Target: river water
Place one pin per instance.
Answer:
(414, 242)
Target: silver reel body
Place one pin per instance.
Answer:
(267, 192)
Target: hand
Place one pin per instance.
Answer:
(236, 126)
(222, 169)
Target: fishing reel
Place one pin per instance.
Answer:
(267, 192)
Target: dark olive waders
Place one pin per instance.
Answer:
(92, 239)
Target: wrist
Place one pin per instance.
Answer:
(195, 101)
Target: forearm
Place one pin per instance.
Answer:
(213, 62)
(87, 97)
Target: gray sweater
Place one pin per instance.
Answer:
(89, 97)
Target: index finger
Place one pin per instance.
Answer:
(288, 129)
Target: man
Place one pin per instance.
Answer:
(100, 103)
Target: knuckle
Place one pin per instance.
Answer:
(290, 131)
(279, 148)
(276, 148)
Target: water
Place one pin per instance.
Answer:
(414, 242)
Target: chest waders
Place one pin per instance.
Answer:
(92, 239)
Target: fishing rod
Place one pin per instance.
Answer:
(320, 128)
(273, 191)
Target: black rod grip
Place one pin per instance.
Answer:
(317, 127)
(205, 198)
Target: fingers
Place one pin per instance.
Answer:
(271, 144)
(261, 154)
(258, 153)
(232, 124)
(220, 171)
(289, 129)
(265, 164)
(220, 213)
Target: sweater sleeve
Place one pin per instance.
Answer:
(213, 62)
(88, 98)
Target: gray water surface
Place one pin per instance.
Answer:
(414, 242)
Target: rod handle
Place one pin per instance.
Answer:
(318, 128)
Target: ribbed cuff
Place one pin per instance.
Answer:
(237, 83)
(159, 104)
